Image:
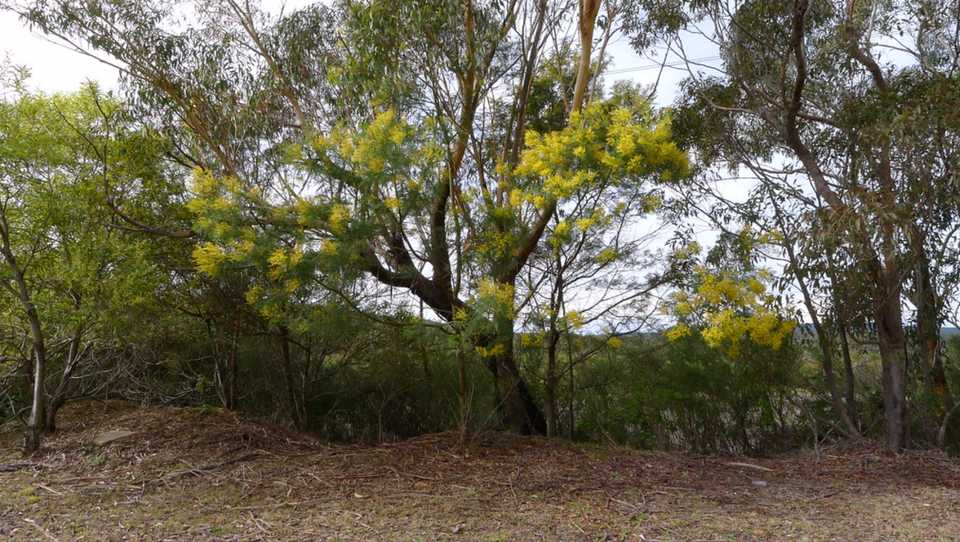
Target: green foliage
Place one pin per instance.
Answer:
(810, 101)
(70, 280)
(331, 160)
(682, 394)
(692, 396)
(403, 383)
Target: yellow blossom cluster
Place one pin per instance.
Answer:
(339, 218)
(282, 260)
(729, 310)
(210, 258)
(561, 233)
(497, 297)
(497, 244)
(495, 350)
(606, 256)
(599, 147)
(368, 150)
(532, 339)
(574, 320)
(210, 192)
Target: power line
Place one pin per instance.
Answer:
(674, 64)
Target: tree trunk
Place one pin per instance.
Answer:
(37, 422)
(849, 378)
(232, 391)
(935, 386)
(35, 425)
(462, 386)
(589, 10)
(517, 407)
(289, 390)
(59, 396)
(823, 340)
(889, 322)
(551, 380)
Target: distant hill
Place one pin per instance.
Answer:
(945, 332)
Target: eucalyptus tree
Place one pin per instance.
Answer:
(832, 93)
(349, 145)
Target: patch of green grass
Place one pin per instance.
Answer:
(595, 452)
(27, 491)
(29, 494)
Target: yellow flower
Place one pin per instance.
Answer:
(575, 320)
(208, 257)
(678, 332)
(531, 339)
(329, 247)
(339, 217)
(606, 256)
(254, 294)
(392, 203)
(490, 352)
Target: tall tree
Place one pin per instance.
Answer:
(806, 88)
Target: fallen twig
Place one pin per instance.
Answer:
(748, 466)
(310, 502)
(11, 467)
(45, 532)
(206, 468)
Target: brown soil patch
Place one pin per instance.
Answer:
(189, 475)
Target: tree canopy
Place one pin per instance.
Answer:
(455, 175)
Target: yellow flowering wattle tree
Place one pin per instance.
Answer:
(387, 177)
(585, 278)
(729, 306)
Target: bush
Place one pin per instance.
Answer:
(683, 394)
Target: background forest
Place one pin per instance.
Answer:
(375, 219)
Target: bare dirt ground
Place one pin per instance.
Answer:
(187, 475)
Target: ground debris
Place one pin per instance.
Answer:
(19, 465)
(264, 482)
(747, 466)
(110, 436)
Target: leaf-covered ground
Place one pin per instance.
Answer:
(190, 475)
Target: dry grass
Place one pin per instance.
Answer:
(189, 475)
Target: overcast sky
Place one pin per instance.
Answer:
(55, 68)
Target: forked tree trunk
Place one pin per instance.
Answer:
(849, 377)
(36, 425)
(59, 397)
(518, 409)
